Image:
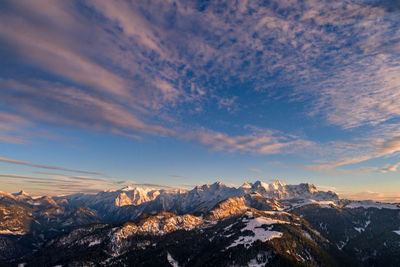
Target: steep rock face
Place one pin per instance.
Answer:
(202, 198)
(116, 238)
(165, 222)
(262, 203)
(231, 206)
(130, 202)
(26, 222)
(115, 198)
(247, 239)
(15, 216)
(232, 226)
(135, 196)
(280, 190)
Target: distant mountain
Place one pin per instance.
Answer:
(130, 202)
(255, 224)
(234, 234)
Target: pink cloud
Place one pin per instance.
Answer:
(263, 143)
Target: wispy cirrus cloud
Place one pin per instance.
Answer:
(61, 184)
(12, 128)
(151, 61)
(261, 142)
(364, 150)
(83, 178)
(134, 68)
(31, 164)
(74, 107)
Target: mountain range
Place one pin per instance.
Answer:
(256, 224)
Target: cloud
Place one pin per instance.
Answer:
(371, 195)
(326, 188)
(74, 107)
(136, 68)
(83, 178)
(12, 128)
(259, 142)
(31, 164)
(384, 144)
(59, 183)
(391, 168)
(253, 170)
(390, 146)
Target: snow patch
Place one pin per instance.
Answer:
(254, 225)
(322, 203)
(359, 229)
(306, 234)
(96, 242)
(171, 261)
(8, 232)
(366, 204)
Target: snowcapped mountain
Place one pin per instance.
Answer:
(233, 233)
(211, 225)
(130, 202)
(282, 191)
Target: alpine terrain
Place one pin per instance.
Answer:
(256, 224)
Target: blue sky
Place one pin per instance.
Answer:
(101, 94)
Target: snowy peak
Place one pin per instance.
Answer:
(130, 202)
(245, 185)
(278, 184)
(127, 188)
(280, 190)
(135, 196)
(21, 193)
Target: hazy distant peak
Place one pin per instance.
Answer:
(245, 185)
(278, 183)
(136, 188)
(260, 184)
(21, 193)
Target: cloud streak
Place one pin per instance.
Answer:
(31, 164)
(262, 142)
(135, 68)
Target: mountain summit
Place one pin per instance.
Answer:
(255, 224)
(130, 202)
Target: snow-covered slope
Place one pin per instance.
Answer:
(366, 204)
(280, 190)
(130, 202)
(254, 217)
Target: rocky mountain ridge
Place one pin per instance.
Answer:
(252, 225)
(234, 233)
(130, 202)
